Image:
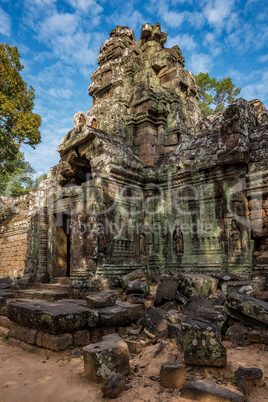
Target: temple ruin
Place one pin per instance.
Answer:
(144, 181)
(146, 248)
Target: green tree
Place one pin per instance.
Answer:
(16, 178)
(215, 94)
(18, 124)
(38, 180)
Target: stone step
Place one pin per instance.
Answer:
(55, 287)
(62, 280)
(42, 294)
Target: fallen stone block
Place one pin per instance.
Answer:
(81, 338)
(53, 317)
(175, 332)
(166, 289)
(242, 287)
(4, 321)
(217, 298)
(261, 295)
(140, 287)
(120, 314)
(172, 375)
(257, 336)
(208, 390)
(23, 333)
(113, 385)
(4, 332)
(190, 284)
(154, 320)
(250, 311)
(2, 305)
(197, 308)
(138, 274)
(96, 334)
(248, 378)
(237, 334)
(135, 298)
(100, 299)
(224, 276)
(5, 282)
(201, 344)
(180, 297)
(54, 342)
(103, 358)
(133, 346)
(194, 302)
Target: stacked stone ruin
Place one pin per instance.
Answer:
(146, 191)
(144, 181)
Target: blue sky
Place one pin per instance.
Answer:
(59, 43)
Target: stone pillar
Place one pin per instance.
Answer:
(42, 274)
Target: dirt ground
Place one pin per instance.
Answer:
(41, 375)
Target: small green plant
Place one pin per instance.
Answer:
(233, 379)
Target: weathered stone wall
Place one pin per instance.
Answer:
(13, 236)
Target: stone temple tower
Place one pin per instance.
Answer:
(144, 181)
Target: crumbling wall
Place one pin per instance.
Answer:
(13, 235)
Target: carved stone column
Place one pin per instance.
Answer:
(42, 274)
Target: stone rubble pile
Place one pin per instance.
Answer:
(111, 330)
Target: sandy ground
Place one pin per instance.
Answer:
(41, 375)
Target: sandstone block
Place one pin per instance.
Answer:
(2, 305)
(242, 287)
(250, 311)
(248, 378)
(53, 317)
(81, 338)
(201, 344)
(100, 299)
(54, 342)
(258, 336)
(172, 375)
(134, 298)
(154, 320)
(23, 333)
(237, 334)
(189, 284)
(5, 282)
(138, 274)
(113, 385)
(217, 298)
(166, 289)
(120, 314)
(4, 321)
(208, 390)
(4, 331)
(103, 358)
(138, 287)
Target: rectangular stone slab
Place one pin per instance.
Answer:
(55, 318)
(120, 314)
(100, 299)
(247, 309)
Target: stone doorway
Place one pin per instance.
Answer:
(62, 246)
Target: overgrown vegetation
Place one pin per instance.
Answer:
(215, 94)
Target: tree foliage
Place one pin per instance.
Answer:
(18, 124)
(215, 94)
(17, 177)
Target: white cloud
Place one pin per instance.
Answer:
(217, 11)
(263, 58)
(200, 63)
(57, 25)
(185, 42)
(86, 6)
(61, 93)
(5, 23)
